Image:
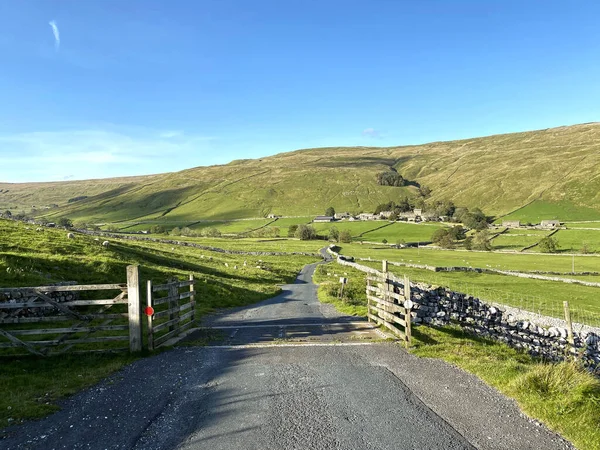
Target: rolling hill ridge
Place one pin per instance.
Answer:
(552, 173)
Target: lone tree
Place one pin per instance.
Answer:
(305, 232)
(443, 237)
(481, 241)
(334, 234)
(345, 236)
(330, 211)
(65, 222)
(548, 245)
(292, 230)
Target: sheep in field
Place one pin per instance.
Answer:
(70, 236)
(105, 244)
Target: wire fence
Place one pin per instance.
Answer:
(538, 309)
(535, 308)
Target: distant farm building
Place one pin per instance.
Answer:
(550, 223)
(323, 219)
(385, 214)
(367, 216)
(273, 216)
(511, 223)
(343, 215)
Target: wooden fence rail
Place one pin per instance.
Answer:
(389, 303)
(174, 316)
(73, 323)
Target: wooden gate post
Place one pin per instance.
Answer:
(150, 330)
(407, 317)
(193, 298)
(173, 303)
(134, 308)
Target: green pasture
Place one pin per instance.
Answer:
(562, 210)
(30, 258)
(407, 232)
(356, 228)
(285, 222)
(522, 262)
(595, 225)
(576, 240)
(518, 239)
(539, 296)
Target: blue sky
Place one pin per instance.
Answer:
(124, 87)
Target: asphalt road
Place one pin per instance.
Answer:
(312, 392)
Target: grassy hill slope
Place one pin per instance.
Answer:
(524, 175)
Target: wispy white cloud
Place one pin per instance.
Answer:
(170, 134)
(56, 33)
(372, 133)
(45, 156)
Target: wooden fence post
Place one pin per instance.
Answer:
(134, 308)
(193, 298)
(407, 317)
(173, 302)
(368, 300)
(150, 319)
(570, 339)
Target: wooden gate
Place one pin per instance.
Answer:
(75, 325)
(172, 314)
(389, 303)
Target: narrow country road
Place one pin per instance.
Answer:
(287, 373)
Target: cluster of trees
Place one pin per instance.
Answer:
(474, 219)
(448, 237)
(264, 232)
(339, 236)
(549, 245)
(405, 204)
(302, 232)
(308, 232)
(186, 231)
(478, 241)
(86, 226)
(391, 178)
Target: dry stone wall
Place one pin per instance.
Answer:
(441, 306)
(24, 295)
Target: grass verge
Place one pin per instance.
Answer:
(563, 396)
(31, 258)
(353, 300)
(31, 386)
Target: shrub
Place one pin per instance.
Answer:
(345, 236)
(334, 234)
(305, 232)
(390, 178)
(292, 230)
(481, 241)
(157, 229)
(548, 245)
(212, 232)
(65, 222)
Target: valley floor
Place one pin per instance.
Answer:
(351, 393)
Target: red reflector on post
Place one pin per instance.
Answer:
(149, 310)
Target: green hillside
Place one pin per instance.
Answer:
(530, 176)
